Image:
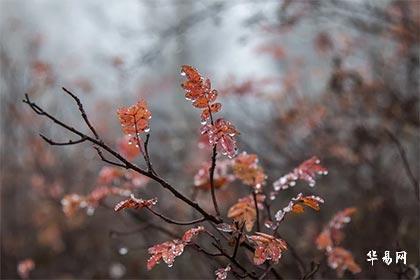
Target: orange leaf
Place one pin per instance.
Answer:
(135, 119)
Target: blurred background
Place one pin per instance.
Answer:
(335, 79)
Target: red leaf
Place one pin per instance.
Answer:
(198, 90)
(191, 233)
(221, 134)
(221, 273)
(306, 171)
(24, 267)
(341, 260)
(267, 247)
(126, 147)
(134, 203)
(166, 251)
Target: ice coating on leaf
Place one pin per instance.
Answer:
(306, 171)
(222, 273)
(198, 90)
(331, 236)
(134, 203)
(267, 247)
(167, 251)
(222, 134)
(332, 232)
(191, 233)
(341, 260)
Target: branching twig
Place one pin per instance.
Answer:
(98, 150)
(124, 162)
(82, 111)
(212, 169)
(238, 241)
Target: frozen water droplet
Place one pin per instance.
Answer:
(147, 129)
(292, 183)
(137, 146)
(203, 122)
(312, 184)
(183, 73)
(325, 172)
(170, 264)
(123, 251)
(90, 211)
(129, 142)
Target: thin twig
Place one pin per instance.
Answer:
(406, 164)
(147, 156)
(98, 150)
(238, 241)
(70, 142)
(314, 269)
(171, 221)
(235, 262)
(212, 169)
(124, 161)
(82, 111)
(254, 194)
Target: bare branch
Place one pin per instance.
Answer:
(212, 169)
(98, 150)
(171, 221)
(127, 164)
(82, 111)
(412, 178)
(70, 142)
(254, 195)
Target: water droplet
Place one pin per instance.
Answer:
(90, 211)
(170, 264)
(123, 251)
(147, 129)
(292, 183)
(183, 73)
(203, 122)
(312, 184)
(325, 172)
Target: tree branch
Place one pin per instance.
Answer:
(254, 195)
(212, 169)
(68, 143)
(126, 163)
(171, 221)
(82, 111)
(406, 164)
